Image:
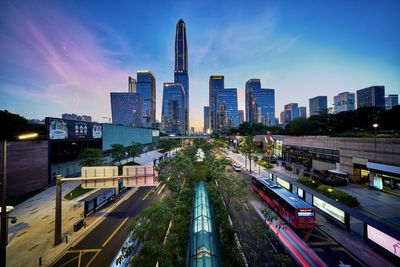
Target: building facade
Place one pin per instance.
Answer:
(146, 87)
(173, 106)
(181, 67)
(318, 105)
(391, 101)
(131, 85)
(373, 96)
(216, 83)
(259, 103)
(227, 110)
(206, 116)
(127, 109)
(344, 102)
(241, 116)
(303, 112)
(294, 111)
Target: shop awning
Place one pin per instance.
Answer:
(383, 167)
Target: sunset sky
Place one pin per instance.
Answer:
(67, 56)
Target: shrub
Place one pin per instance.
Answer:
(265, 164)
(309, 182)
(338, 195)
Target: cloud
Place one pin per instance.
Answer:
(67, 60)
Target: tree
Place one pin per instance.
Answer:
(133, 150)
(248, 148)
(91, 157)
(118, 153)
(232, 190)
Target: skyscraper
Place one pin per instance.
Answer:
(206, 119)
(216, 83)
(181, 66)
(373, 96)
(173, 106)
(131, 85)
(127, 109)
(259, 103)
(303, 112)
(294, 111)
(391, 101)
(227, 110)
(146, 87)
(241, 116)
(343, 102)
(318, 105)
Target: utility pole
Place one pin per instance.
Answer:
(4, 221)
(57, 226)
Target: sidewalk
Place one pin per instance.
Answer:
(32, 237)
(349, 240)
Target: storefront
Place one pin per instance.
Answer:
(384, 177)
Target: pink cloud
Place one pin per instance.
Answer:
(62, 56)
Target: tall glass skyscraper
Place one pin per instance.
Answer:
(173, 106)
(216, 83)
(343, 102)
(373, 96)
(127, 109)
(146, 87)
(259, 103)
(206, 119)
(227, 109)
(181, 66)
(318, 105)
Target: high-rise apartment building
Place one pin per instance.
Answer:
(216, 83)
(206, 119)
(373, 96)
(173, 107)
(391, 101)
(146, 87)
(344, 102)
(241, 116)
(181, 66)
(227, 110)
(259, 103)
(127, 109)
(131, 85)
(318, 105)
(303, 112)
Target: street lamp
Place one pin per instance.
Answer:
(375, 125)
(4, 208)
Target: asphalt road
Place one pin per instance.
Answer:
(102, 244)
(332, 253)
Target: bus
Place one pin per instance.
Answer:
(294, 210)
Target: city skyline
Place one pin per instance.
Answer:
(46, 71)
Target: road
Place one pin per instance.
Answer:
(101, 245)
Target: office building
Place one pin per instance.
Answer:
(373, 96)
(344, 102)
(206, 119)
(227, 110)
(181, 66)
(391, 101)
(216, 83)
(259, 103)
(241, 116)
(303, 112)
(294, 111)
(146, 87)
(131, 85)
(318, 105)
(127, 109)
(173, 107)
(285, 116)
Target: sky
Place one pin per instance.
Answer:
(67, 56)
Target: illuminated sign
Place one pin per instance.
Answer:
(329, 209)
(378, 183)
(300, 192)
(305, 212)
(156, 133)
(283, 183)
(60, 129)
(384, 240)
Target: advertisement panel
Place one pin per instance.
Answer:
(60, 129)
(283, 183)
(384, 240)
(329, 209)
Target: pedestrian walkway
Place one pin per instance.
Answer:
(31, 239)
(351, 241)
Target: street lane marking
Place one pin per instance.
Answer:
(247, 207)
(161, 190)
(151, 191)
(87, 265)
(115, 231)
(308, 235)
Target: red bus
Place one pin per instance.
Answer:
(294, 210)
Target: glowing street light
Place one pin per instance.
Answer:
(27, 136)
(375, 125)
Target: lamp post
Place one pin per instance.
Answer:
(375, 125)
(4, 222)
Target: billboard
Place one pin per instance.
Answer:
(96, 173)
(60, 129)
(139, 176)
(283, 183)
(329, 209)
(386, 241)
